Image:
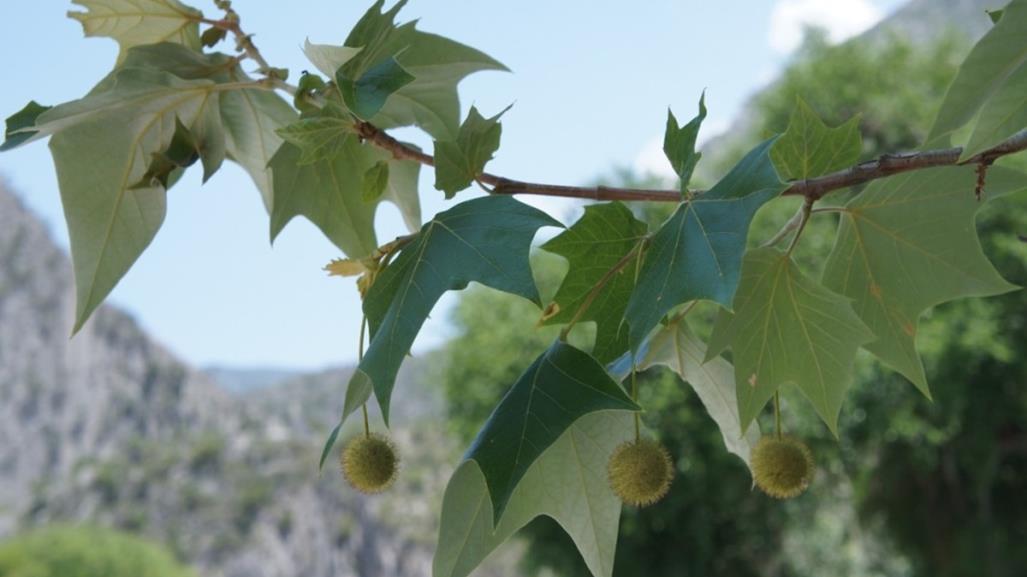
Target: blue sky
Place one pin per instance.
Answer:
(591, 84)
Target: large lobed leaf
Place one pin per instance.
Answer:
(568, 483)
(592, 246)
(697, 253)
(140, 22)
(378, 74)
(485, 240)
(329, 192)
(112, 150)
(787, 328)
(908, 243)
(809, 148)
(676, 347)
(561, 386)
(991, 86)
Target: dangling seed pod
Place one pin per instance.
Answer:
(782, 466)
(370, 463)
(640, 472)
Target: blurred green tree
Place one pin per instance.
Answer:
(74, 551)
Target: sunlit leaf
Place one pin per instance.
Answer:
(809, 148)
(140, 22)
(908, 243)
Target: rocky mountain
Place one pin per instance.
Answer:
(110, 428)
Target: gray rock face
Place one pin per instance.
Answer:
(110, 428)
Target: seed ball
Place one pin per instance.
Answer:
(782, 466)
(640, 472)
(369, 463)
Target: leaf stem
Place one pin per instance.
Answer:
(807, 208)
(602, 282)
(777, 414)
(634, 397)
(360, 357)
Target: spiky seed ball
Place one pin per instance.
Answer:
(640, 472)
(369, 463)
(782, 466)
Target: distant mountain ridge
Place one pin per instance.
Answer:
(110, 428)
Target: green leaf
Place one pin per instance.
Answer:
(697, 253)
(327, 58)
(140, 22)
(994, 15)
(601, 238)
(102, 146)
(485, 240)
(181, 153)
(561, 386)
(990, 79)
(679, 143)
(319, 135)
(908, 243)
(329, 193)
(366, 95)
(20, 123)
(437, 64)
(809, 148)
(787, 328)
(376, 180)
(327, 450)
(568, 483)
(676, 347)
(460, 162)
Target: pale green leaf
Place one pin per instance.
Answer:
(319, 135)
(787, 328)
(140, 22)
(329, 193)
(809, 148)
(592, 246)
(568, 483)
(999, 58)
(562, 385)
(327, 58)
(437, 64)
(679, 144)
(697, 253)
(676, 347)
(908, 243)
(460, 162)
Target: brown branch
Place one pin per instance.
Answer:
(814, 188)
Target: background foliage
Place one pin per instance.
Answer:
(911, 487)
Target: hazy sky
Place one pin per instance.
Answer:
(591, 83)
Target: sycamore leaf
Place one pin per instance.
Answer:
(991, 82)
(140, 22)
(809, 148)
(485, 240)
(327, 58)
(103, 146)
(679, 144)
(460, 162)
(437, 65)
(367, 94)
(19, 125)
(697, 253)
(568, 483)
(329, 193)
(561, 386)
(787, 328)
(592, 246)
(908, 243)
(319, 135)
(676, 347)
(250, 117)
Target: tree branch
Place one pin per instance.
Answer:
(813, 189)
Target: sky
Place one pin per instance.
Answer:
(591, 83)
